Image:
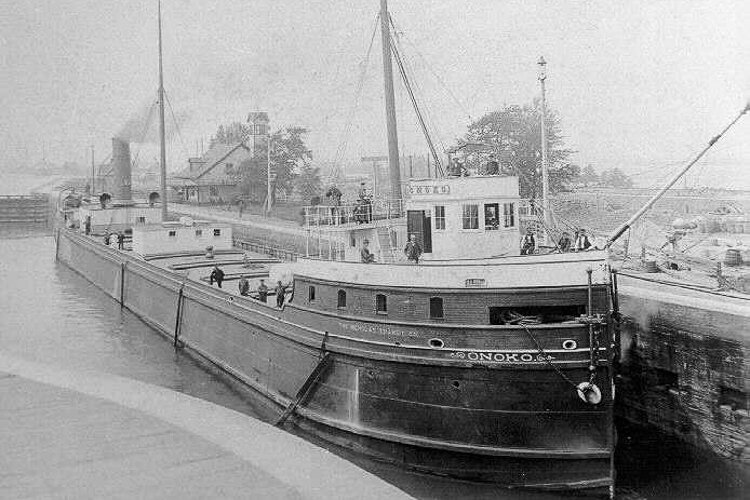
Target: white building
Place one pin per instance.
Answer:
(186, 235)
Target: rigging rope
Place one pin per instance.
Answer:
(341, 150)
(434, 73)
(176, 125)
(422, 117)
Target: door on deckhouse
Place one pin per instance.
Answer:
(419, 224)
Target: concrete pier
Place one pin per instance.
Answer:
(70, 434)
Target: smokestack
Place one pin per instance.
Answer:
(121, 167)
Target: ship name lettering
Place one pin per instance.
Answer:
(499, 357)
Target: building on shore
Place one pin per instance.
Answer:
(214, 177)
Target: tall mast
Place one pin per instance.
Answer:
(390, 103)
(163, 162)
(545, 168)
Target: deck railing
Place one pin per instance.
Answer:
(362, 212)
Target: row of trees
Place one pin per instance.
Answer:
(511, 133)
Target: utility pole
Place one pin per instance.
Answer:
(268, 173)
(163, 162)
(390, 103)
(93, 172)
(545, 168)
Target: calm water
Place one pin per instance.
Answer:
(50, 314)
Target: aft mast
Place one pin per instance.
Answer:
(390, 104)
(163, 161)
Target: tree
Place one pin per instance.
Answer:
(614, 177)
(589, 177)
(308, 183)
(515, 133)
(288, 154)
(231, 134)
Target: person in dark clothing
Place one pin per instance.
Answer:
(217, 275)
(565, 242)
(367, 256)
(86, 224)
(582, 241)
(280, 291)
(413, 249)
(120, 241)
(492, 167)
(244, 286)
(263, 291)
(528, 243)
(106, 238)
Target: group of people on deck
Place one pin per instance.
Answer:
(217, 275)
(458, 168)
(412, 250)
(564, 244)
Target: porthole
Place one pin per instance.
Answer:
(569, 344)
(456, 384)
(436, 343)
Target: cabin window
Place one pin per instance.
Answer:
(198, 233)
(352, 240)
(310, 293)
(217, 232)
(509, 214)
(381, 304)
(341, 302)
(491, 216)
(141, 219)
(666, 379)
(213, 190)
(228, 168)
(436, 308)
(173, 234)
(439, 217)
(470, 216)
(734, 398)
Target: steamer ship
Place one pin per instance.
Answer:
(476, 363)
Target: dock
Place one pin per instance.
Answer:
(68, 434)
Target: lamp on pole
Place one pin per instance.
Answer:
(545, 172)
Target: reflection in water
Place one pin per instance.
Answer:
(50, 314)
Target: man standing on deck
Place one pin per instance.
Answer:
(280, 291)
(216, 275)
(582, 241)
(528, 243)
(367, 256)
(263, 291)
(565, 242)
(243, 285)
(413, 249)
(492, 167)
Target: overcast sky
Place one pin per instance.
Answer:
(635, 82)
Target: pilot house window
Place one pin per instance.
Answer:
(491, 216)
(341, 302)
(439, 217)
(470, 217)
(509, 214)
(311, 293)
(436, 308)
(381, 304)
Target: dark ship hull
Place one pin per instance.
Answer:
(483, 402)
